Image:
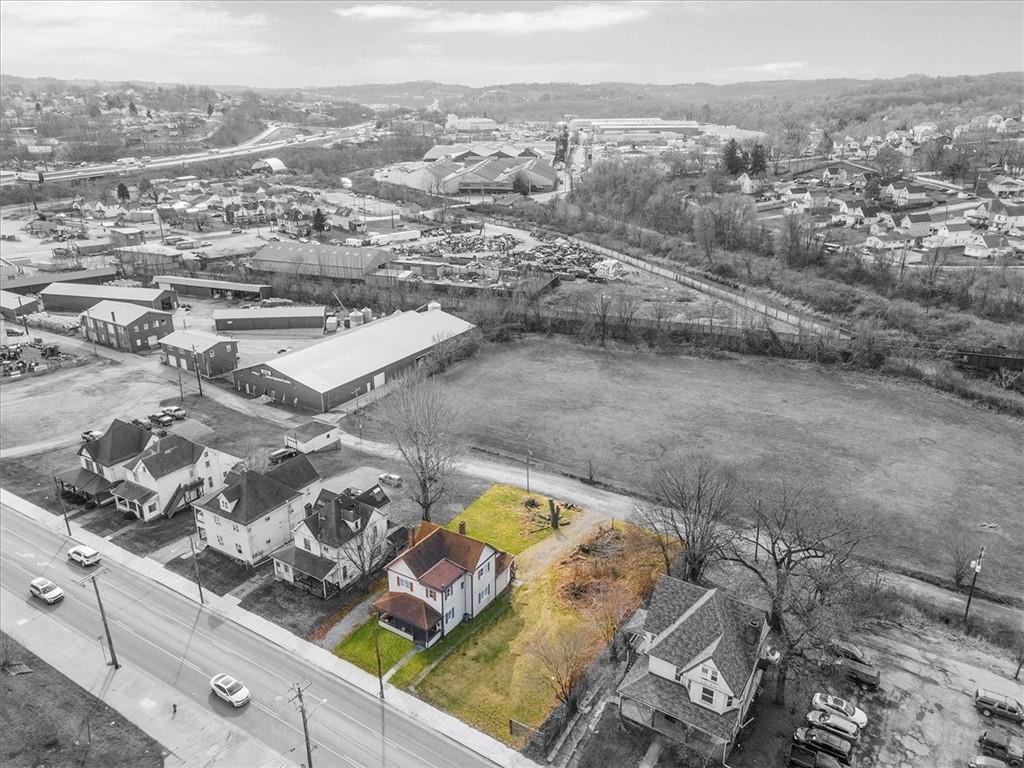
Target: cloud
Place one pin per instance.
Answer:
(562, 18)
(148, 40)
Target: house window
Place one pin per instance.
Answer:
(207, 463)
(344, 572)
(199, 514)
(431, 594)
(480, 573)
(220, 540)
(211, 353)
(450, 615)
(234, 527)
(448, 592)
(404, 583)
(135, 328)
(238, 548)
(679, 674)
(306, 544)
(145, 327)
(216, 521)
(709, 673)
(707, 696)
(729, 701)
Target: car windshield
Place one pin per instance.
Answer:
(232, 687)
(48, 587)
(842, 705)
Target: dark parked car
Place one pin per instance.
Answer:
(865, 675)
(849, 651)
(805, 757)
(820, 741)
(160, 419)
(144, 424)
(990, 703)
(995, 742)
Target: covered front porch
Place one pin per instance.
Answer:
(306, 570)
(409, 617)
(85, 484)
(133, 499)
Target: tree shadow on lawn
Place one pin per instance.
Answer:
(146, 538)
(614, 743)
(219, 574)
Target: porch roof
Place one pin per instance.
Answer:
(409, 609)
(305, 562)
(132, 491)
(84, 480)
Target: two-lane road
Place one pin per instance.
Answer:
(183, 645)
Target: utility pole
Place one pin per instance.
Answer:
(305, 724)
(976, 567)
(529, 455)
(63, 509)
(195, 562)
(181, 388)
(106, 626)
(195, 362)
(376, 647)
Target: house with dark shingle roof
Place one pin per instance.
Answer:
(441, 580)
(701, 657)
(250, 516)
(103, 461)
(169, 475)
(344, 538)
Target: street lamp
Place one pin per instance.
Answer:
(976, 567)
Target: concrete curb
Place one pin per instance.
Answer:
(402, 702)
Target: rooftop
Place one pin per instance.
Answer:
(113, 292)
(200, 341)
(121, 313)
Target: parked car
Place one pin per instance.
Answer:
(14, 332)
(980, 761)
(282, 454)
(274, 239)
(990, 703)
(83, 555)
(849, 651)
(821, 741)
(995, 742)
(829, 703)
(229, 689)
(206, 244)
(175, 412)
(805, 757)
(160, 419)
(90, 435)
(865, 675)
(236, 230)
(142, 423)
(833, 723)
(395, 481)
(45, 590)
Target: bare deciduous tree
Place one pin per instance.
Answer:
(601, 309)
(365, 551)
(960, 558)
(564, 660)
(609, 610)
(421, 420)
(251, 454)
(802, 555)
(691, 499)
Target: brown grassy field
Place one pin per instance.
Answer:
(923, 468)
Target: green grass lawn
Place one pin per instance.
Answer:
(501, 518)
(359, 648)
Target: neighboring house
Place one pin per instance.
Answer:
(916, 224)
(950, 234)
(169, 475)
(441, 580)
(126, 326)
(834, 175)
(299, 475)
(749, 185)
(904, 195)
(249, 517)
(988, 247)
(345, 538)
(1003, 216)
(213, 355)
(701, 657)
(313, 436)
(103, 461)
(889, 241)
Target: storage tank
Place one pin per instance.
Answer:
(355, 318)
(367, 314)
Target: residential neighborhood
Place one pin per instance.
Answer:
(587, 385)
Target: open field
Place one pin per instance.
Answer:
(48, 720)
(921, 467)
(501, 518)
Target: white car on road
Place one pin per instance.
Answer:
(45, 590)
(229, 689)
(83, 555)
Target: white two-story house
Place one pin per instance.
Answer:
(441, 580)
(700, 660)
(169, 475)
(345, 538)
(252, 514)
(102, 461)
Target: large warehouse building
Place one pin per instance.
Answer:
(14, 305)
(261, 318)
(311, 260)
(212, 289)
(78, 297)
(35, 283)
(352, 363)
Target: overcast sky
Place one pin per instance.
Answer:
(286, 44)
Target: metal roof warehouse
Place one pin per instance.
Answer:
(77, 297)
(269, 317)
(332, 261)
(196, 286)
(354, 362)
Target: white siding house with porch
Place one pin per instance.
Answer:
(441, 580)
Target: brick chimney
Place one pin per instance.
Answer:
(462, 527)
(412, 538)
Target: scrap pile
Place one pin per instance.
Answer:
(567, 260)
(50, 323)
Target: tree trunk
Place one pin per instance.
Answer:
(781, 673)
